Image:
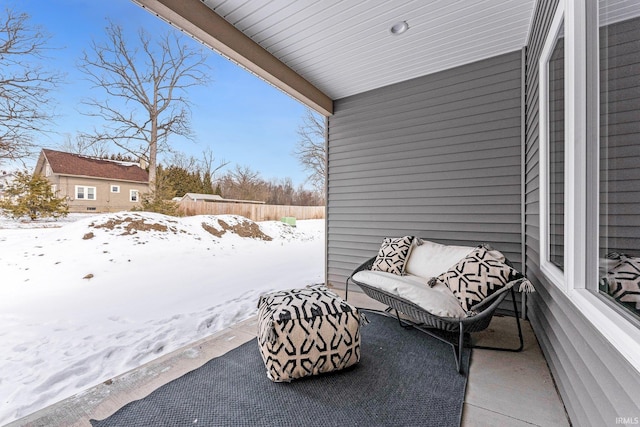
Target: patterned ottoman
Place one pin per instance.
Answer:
(307, 331)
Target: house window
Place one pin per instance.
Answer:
(85, 193)
(555, 149)
(48, 171)
(600, 269)
(54, 189)
(552, 152)
(115, 188)
(133, 195)
(617, 144)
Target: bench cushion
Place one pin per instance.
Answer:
(437, 300)
(430, 259)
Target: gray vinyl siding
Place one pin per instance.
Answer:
(438, 156)
(596, 383)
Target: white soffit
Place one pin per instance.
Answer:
(612, 11)
(344, 47)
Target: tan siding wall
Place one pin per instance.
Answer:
(106, 201)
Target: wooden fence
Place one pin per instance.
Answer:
(252, 211)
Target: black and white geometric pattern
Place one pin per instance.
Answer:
(623, 281)
(393, 255)
(478, 276)
(304, 332)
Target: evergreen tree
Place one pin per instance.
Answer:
(207, 183)
(160, 198)
(31, 195)
(180, 179)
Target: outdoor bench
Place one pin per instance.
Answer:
(445, 291)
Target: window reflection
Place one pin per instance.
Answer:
(556, 153)
(619, 181)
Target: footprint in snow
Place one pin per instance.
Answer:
(208, 322)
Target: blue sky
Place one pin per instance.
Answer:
(244, 120)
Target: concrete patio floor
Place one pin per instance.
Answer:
(503, 388)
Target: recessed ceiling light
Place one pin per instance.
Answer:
(399, 28)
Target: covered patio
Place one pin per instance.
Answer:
(514, 389)
(512, 123)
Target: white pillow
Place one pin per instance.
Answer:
(393, 255)
(431, 259)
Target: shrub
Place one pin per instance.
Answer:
(159, 199)
(32, 196)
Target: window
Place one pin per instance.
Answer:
(115, 188)
(85, 193)
(555, 149)
(54, 189)
(617, 145)
(552, 152)
(133, 195)
(599, 271)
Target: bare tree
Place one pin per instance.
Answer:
(311, 150)
(81, 144)
(207, 163)
(24, 84)
(180, 160)
(243, 183)
(145, 87)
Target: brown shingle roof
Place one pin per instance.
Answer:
(74, 164)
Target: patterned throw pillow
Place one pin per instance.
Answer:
(478, 276)
(393, 255)
(623, 281)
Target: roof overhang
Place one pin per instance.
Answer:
(203, 24)
(322, 51)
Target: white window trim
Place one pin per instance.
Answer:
(117, 187)
(623, 335)
(550, 270)
(86, 193)
(575, 143)
(131, 196)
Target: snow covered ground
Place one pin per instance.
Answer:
(90, 297)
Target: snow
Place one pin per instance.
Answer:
(84, 299)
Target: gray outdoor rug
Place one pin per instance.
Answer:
(404, 378)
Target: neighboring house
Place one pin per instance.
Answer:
(6, 178)
(91, 184)
(512, 122)
(214, 198)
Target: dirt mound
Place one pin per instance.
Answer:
(242, 229)
(131, 225)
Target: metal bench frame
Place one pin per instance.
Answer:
(446, 329)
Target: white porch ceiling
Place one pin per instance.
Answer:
(344, 47)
